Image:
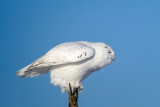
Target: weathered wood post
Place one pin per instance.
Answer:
(73, 97)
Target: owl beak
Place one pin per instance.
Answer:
(114, 56)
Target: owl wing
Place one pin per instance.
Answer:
(66, 53)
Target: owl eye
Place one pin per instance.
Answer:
(105, 46)
(109, 52)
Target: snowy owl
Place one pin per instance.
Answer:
(70, 63)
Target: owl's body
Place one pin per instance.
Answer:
(70, 63)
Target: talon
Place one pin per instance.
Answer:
(80, 88)
(70, 88)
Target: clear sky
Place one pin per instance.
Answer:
(29, 28)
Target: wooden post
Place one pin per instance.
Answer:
(73, 97)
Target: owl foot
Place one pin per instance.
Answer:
(74, 90)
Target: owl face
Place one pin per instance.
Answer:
(104, 54)
(106, 51)
(110, 53)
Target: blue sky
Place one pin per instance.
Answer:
(29, 28)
